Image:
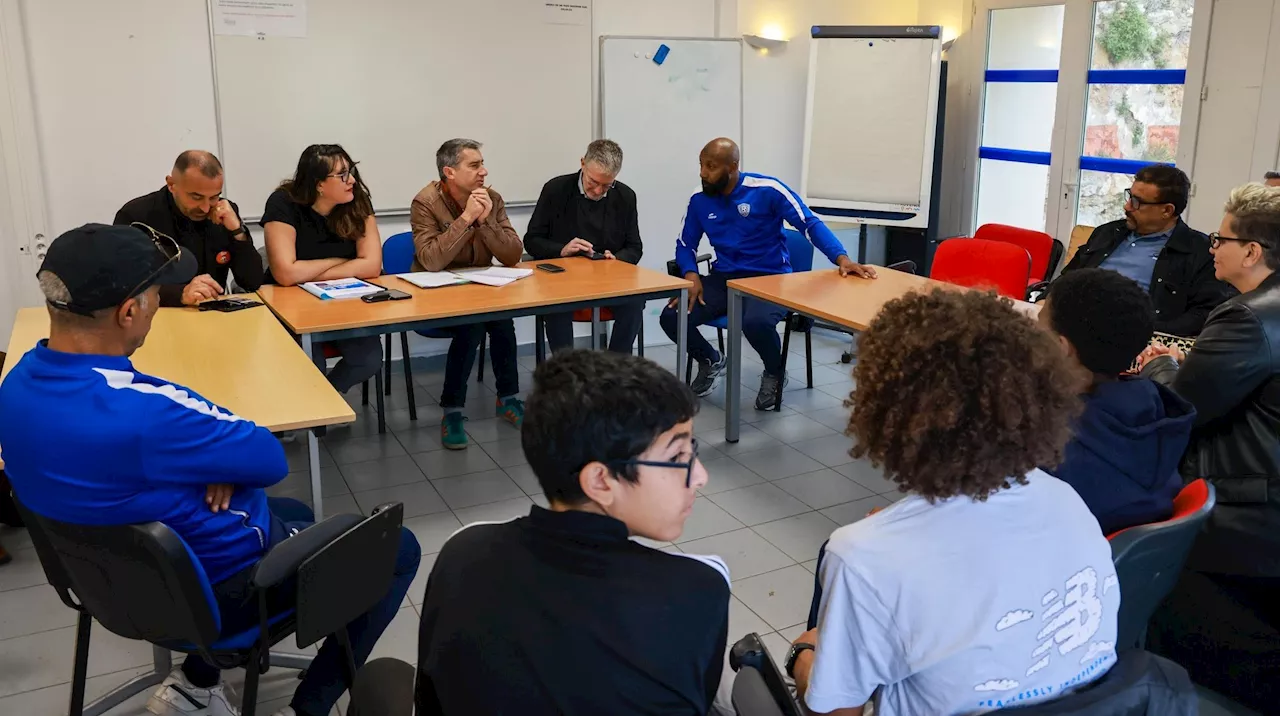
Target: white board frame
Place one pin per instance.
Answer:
(741, 79)
(919, 214)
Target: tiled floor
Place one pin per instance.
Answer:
(772, 499)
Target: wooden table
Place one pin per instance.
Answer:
(821, 295)
(244, 361)
(584, 284)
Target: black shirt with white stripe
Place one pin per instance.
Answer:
(561, 613)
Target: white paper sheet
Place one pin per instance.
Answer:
(260, 18)
(567, 12)
(432, 279)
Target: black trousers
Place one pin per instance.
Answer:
(626, 325)
(462, 358)
(1226, 632)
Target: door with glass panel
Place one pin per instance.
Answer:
(1077, 95)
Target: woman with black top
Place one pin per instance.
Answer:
(319, 227)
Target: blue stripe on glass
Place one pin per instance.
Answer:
(1137, 77)
(1116, 166)
(1020, 156)
(1021, 76)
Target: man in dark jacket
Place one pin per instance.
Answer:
(1154, 247)
(589, 212)
(190, 208)
(1123, 459)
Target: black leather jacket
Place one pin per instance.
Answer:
(1183, 287)
(1232, 377)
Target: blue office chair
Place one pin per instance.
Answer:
(142, 582)
(397, 257)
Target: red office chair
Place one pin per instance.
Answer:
(1149, 559)
(979, 263)
(1044, 250)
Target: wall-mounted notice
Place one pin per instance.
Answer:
(567, 12)
(260, 18)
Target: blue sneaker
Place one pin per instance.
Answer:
(453, 436)
(511, 410)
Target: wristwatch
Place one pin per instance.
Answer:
(794, 653)
(236, 235)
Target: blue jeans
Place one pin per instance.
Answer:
(462, 358)
(759, 322)
(326, 678)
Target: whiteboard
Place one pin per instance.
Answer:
(870, 122)
(662, 116)
(391, 80)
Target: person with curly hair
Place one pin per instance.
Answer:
(1123, 457)
(990, 583)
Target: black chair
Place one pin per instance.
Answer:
(721, 324)
(384, 687)
(142, 582)
(1139, 683)
(1149, 559)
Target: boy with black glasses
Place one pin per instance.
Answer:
(560, 612)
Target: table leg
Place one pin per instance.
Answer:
(595, 328)
(682, 333)
(313, 459)
(733, 384)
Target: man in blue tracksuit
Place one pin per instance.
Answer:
(90, 440)
(742, 215)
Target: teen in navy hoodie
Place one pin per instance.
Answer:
(1123, 459)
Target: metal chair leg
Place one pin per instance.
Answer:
(786, 348)
(641, 337)
(408, 375)
(688, 371)
(163, 664)
(720, 340)
(484, 339)
(249, 700)
(80, 674)
(382, 403)
(808, 349)
(539, 340)
(386, 363)
(364, 393)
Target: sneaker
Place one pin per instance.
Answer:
(177, 697)
(452, 435)
(770, 391)
(708, 377)
(511, 410)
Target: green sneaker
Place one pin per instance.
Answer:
(452, 435)
(511, 410)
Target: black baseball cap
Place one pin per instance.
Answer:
(103, 266)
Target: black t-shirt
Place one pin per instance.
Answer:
(315, 240)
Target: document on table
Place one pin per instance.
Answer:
(341, 288)
(492, 276)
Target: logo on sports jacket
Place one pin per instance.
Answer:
(744, 209)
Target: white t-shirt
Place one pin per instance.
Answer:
(964, 607)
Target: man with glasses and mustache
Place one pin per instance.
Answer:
(741, 214)
(561, 611)
(90, 440)
(190, 208)
(1154, 246)
(588, 212)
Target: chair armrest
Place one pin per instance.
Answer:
(673, 268)
(751, 695)
(282, 562)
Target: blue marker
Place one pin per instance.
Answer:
(661, 55)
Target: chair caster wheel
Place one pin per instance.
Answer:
(846, 358)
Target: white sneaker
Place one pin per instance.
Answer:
(177, 697)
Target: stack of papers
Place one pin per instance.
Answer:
(492, 276)
(340, 288)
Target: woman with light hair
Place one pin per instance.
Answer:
(1222, 621)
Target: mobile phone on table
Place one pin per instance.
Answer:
(228, 305)
(551, 268)
(389, 294)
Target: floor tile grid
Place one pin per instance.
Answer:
(762, 519)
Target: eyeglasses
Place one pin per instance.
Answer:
(686, 466)
(166, 245)
(1216, 239)
(591, 183)
(1139, 202)
(345, 175)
